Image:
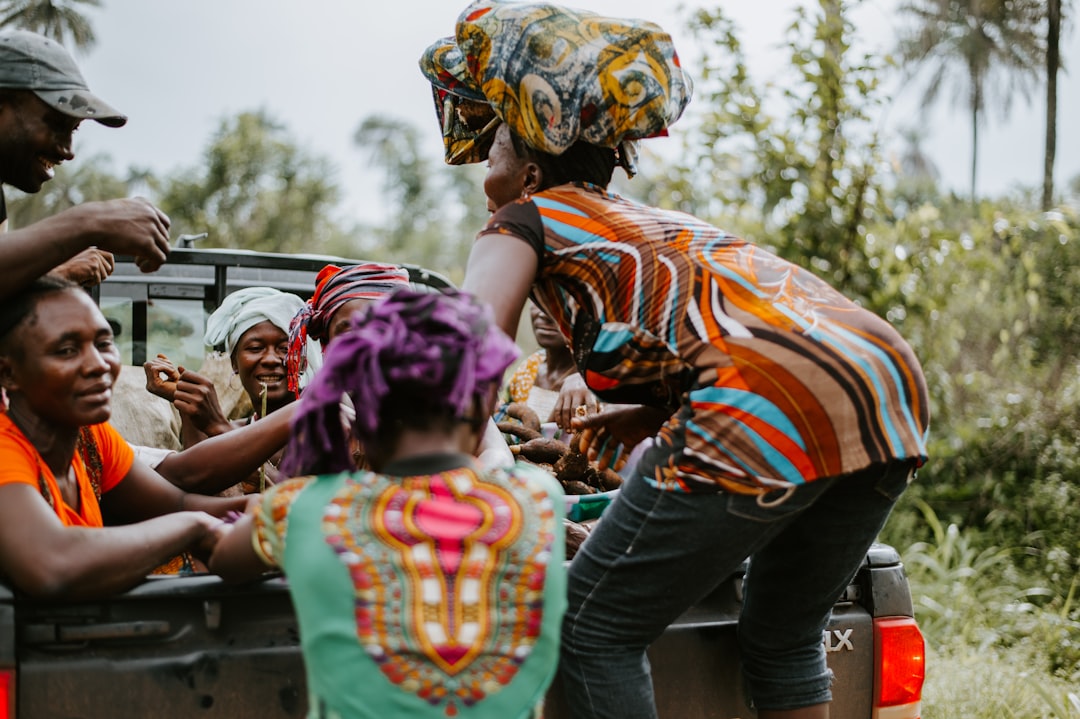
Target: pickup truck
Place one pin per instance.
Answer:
(195, 647)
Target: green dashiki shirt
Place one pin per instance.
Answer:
(431, 591)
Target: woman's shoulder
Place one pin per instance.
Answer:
(596, 208)
(106, 435)
(9, 433)
(17, 455)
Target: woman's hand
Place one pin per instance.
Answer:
(572, 395)
(215, 530)
(196, 399)
(599, 435)
(161, 377)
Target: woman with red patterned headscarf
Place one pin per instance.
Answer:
(339, 292)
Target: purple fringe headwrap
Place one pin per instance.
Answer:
(446, 345)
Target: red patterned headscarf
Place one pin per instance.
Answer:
(441, 350)
(335, 286)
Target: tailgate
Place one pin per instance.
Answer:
(173, 647)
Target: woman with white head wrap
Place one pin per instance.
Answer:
(252, 325)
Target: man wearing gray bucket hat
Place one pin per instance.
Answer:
(43, 99)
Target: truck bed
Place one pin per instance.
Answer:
(180, 647)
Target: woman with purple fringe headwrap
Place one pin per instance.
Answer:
(427, 587)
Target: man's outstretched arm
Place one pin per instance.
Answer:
(126, 226)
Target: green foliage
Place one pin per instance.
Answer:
(433, 212)
(796, 168)
(959, 585)
(59, 19)
(1061, 704)
(991, 316)
(255, 189)
(394, 146)
(975, 608)
(967, 683)
(971, 597)
(87, 180)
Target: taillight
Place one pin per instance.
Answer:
(7, 693)
(899, 669)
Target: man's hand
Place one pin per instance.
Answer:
(88, 268)
(131, 226)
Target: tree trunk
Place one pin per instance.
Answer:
(975, 104)
(1053, 40)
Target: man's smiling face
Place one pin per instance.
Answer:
(34, 138)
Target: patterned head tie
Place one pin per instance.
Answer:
(334, 286)
(441, 349)
(555, 76)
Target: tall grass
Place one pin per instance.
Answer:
(1000, 643)
(964, 683)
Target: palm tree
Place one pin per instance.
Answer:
(58, 19)
(914, 162)
(1053, 63)
(985, 47)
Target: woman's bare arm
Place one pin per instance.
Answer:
(143, 493)
(46, 559)
(219, 462)
(234, 558)
(500, 271)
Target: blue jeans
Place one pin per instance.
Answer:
(655, 553)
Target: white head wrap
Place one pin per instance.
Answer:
(246, 308)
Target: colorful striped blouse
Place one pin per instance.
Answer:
(784, 379)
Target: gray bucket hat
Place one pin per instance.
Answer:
(29, 61)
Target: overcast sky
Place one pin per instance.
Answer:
(319, 66)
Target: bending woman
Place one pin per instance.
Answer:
(428, 587)
(787, 419)
(64, 471)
